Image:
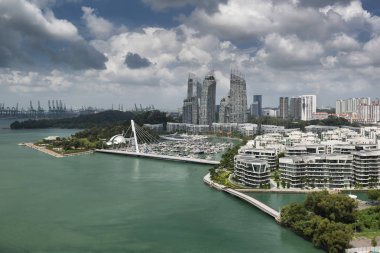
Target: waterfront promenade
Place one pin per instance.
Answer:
(160, 157)
(263, 207)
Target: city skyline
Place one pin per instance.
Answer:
(127, 52)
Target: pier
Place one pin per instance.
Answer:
(263, 207)
(160, 157)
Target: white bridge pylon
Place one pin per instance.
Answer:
(140, 135)
(135, 136)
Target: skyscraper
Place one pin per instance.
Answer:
(238, 98)
(224, 110)
(295, 108)
(308, 106)
(207, 101)
(256, 107)
(191, 103)
(284, 107)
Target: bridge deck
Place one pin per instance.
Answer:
(254, 202)
(161, 157)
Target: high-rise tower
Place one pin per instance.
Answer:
(284, 107)
(238, 98)
(308, 106)
(257, 106)
(190, 107)
(207, 101)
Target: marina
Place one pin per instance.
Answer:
(177, 147)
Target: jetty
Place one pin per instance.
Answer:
(157, 156)
(258, 204)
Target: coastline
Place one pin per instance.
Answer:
(51, 152)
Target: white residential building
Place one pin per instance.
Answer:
(251, 171)
(308, 107)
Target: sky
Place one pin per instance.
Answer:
(104, 52)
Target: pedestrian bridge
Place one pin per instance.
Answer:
(266, 209)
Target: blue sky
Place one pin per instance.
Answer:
(103, 52)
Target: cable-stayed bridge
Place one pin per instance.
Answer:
(134, 142)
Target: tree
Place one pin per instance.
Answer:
(374, 195)
(374, 242)
(335, 207)
(283, 183)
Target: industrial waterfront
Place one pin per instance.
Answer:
(102, 203)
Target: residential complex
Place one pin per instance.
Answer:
(333, 158)
(366, 168)
(333, 171)
(362, 110)
(298, 108)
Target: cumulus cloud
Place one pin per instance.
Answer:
(29, 34)
(289, 51)
(98, 26)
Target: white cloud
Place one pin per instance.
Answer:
(289, 51)
(29, 19)
(343, 42)
(98, 26)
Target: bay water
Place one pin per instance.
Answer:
(106, 203)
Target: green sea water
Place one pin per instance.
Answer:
(105, 203)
